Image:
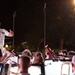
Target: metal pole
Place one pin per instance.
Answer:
(14, 15)
(44, 33)
(44, 24)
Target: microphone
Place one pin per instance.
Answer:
(15, 53)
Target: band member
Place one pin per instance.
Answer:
(5, 53)
(23, 65)
(48, 53)
(4, 33)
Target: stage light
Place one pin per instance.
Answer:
(6, 46)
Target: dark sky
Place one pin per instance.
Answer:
(29, 20)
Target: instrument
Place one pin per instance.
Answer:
(50, 52)
(15, 53)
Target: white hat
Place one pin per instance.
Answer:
(27, 52)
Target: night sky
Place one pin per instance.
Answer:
(29, 21)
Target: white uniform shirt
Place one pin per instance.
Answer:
(10, 58)
(23, 74)
(3, 33)
(73, 73)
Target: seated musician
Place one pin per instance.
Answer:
(24, 63)
(6, 58)
(62, 54)
(49, 54)
(28, 53)
(38, 58)
(2, 57)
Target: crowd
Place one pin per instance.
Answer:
(23, 62)
(27, 58)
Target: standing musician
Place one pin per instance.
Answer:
(4, 33)
(5, 53)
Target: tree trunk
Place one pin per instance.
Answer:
(61, 43)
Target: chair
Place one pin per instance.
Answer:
(65, 67)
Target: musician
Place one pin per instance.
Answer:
(38, 58)
(28, 53)
(4, 33)
(48, 53)
(23, 65)
(5, 53)
(2, 57)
